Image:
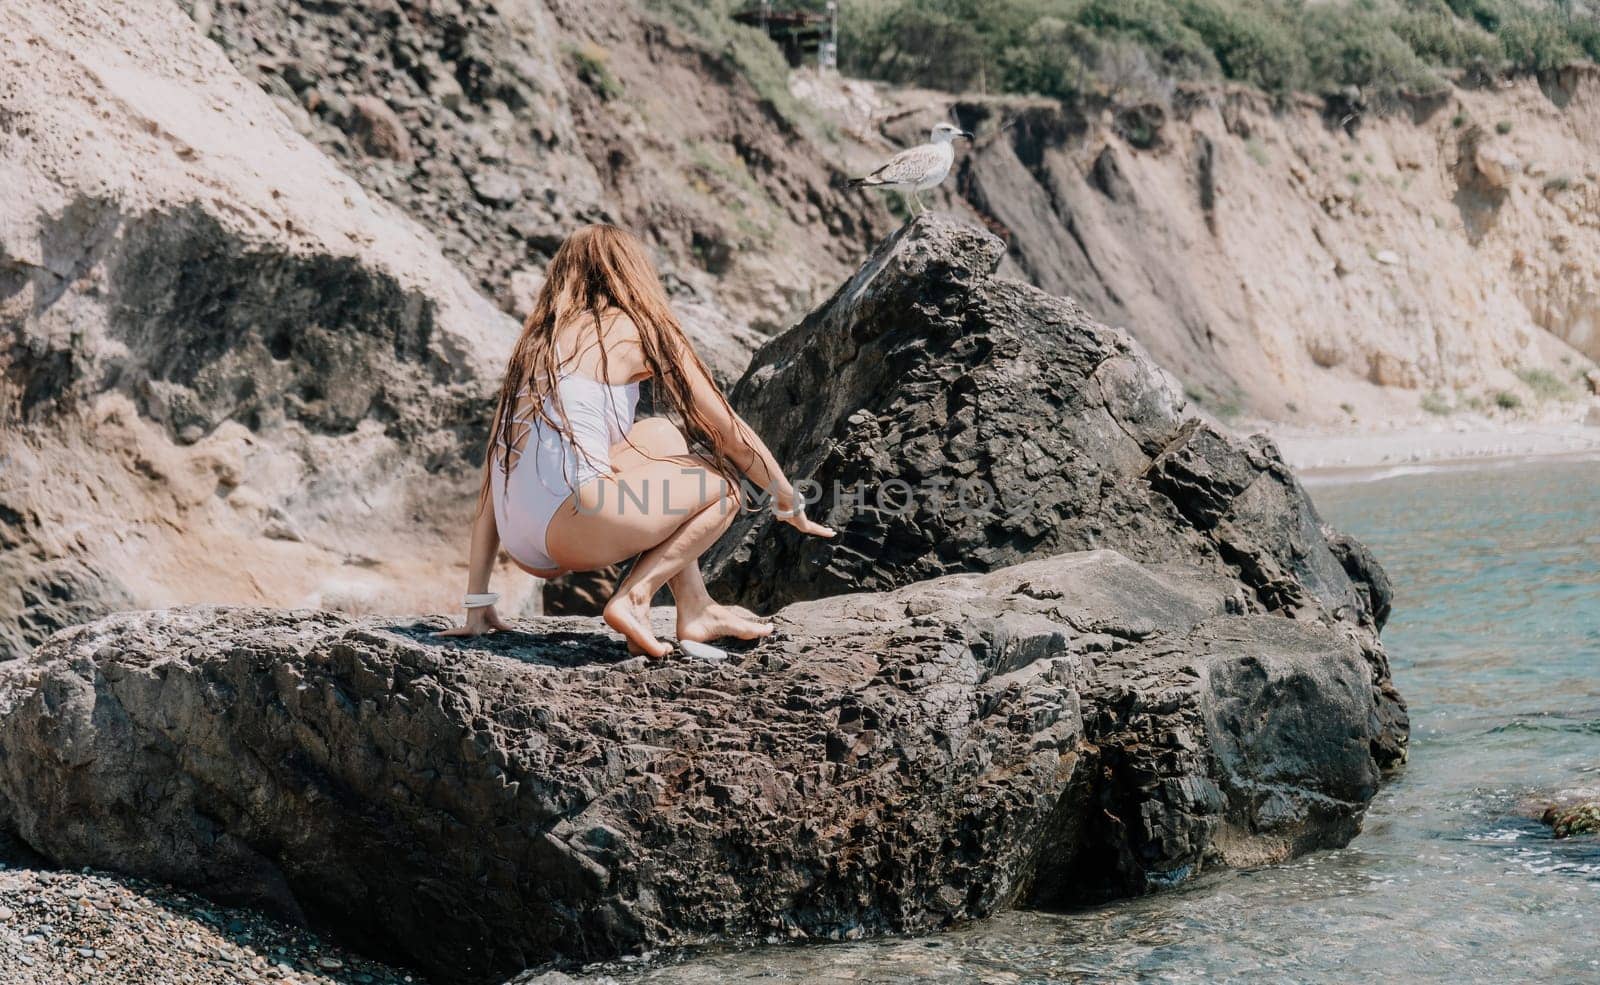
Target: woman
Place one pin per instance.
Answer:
(573, 484)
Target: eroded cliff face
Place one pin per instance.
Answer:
(1300, 262)
(501, 126)
(228, 372)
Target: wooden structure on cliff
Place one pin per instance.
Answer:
(798, 30)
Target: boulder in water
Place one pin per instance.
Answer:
(1573, 819)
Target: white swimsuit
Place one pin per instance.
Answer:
(599, 415)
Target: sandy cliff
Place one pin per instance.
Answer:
(228, 372)
(1293, 263)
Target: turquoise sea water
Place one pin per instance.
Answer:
(1495, 642)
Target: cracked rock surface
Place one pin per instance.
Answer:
(955, 420)
(1067, 729)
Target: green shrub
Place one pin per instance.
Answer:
(1503, 127)
(1506, 400)
(1355, 46)
(1049, 61)
(1585, 33)
(932, 49)
(1437, 403)
(1060, 47)
(1439, 37)
(1251, 42)
(590, 61)
(1537, 40)
(1544, 384)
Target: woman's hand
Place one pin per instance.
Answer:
(788, 509)
(480, 621)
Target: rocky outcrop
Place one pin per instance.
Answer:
(1572, 819)
(953, 420)
(227, 372)
(501, 125)
(1068, 729)
(1366, 574)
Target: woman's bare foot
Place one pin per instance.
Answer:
(715, 622)
(631, 617)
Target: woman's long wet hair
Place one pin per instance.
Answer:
(600, 268)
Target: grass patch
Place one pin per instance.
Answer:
(1506, 400)
(716, 170)
(1227, 408)
(1544, 384)
(1437, 403)
(592, 63)
(746, 49)
(1503, 127)
(1257, 150)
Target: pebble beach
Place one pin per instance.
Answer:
(86, 927)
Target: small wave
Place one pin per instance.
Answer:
(1498, 834)
(1352, 475)
(1575, 859)
(1582, 727)
(1319, 474)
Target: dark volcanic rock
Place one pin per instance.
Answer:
(1021, 428)
(581, 593)
(1072, 728)
(1371, 581)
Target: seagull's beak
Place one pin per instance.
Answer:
(967, 134)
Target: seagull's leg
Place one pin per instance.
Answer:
(911, 209)
(917, 193)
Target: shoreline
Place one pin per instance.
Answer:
(1326, 457)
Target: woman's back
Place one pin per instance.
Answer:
(609, 352)
(550, 462)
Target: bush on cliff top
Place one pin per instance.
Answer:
(1063, 48)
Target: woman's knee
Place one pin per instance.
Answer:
(658, 436)
(723, 498)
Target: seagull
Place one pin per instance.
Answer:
(919, 168)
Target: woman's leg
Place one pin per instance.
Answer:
(699, 618)
(628, 612)
(667, 511)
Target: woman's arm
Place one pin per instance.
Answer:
(485, 541)
(745, 449)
